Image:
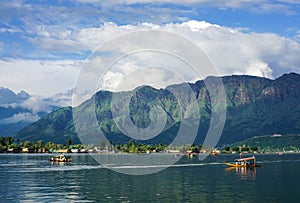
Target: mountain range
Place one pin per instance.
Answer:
(18, 110)
(255, 106)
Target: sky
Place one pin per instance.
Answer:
(45, 44)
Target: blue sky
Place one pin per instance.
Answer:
(43, 45)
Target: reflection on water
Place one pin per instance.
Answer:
(55, 163)
(245, 173)
(33, 178)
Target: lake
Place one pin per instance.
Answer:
(32, 178)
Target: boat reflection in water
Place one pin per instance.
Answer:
(60, 159)
(59, 163)
(244, 167)
(245, 173)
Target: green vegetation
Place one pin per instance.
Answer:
(7, 143)
(240, 149)
(133, 147)
(255, 106)
(263, 144)
(274, 143)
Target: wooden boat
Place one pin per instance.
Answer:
(61, 158)
(244, 162)
(191, 154)
(213, 153)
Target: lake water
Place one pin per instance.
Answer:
(32, 178)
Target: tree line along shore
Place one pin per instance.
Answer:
(9, 145)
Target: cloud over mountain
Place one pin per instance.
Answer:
(232, 50)
(20, 117)
(18, 110)
(8, 97)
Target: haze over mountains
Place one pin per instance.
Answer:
(18, 110)
(255, 107)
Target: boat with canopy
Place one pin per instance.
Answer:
(244, 162)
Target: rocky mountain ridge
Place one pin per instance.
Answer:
(255, 106)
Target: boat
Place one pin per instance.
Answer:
(244, 162)
(190, 154)
(61, 158)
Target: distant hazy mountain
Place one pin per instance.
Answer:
(18, 110)
(9, 97)
(255, 106)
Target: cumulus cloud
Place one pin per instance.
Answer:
(232, 50)
(36, 105)
(59, 40)
(33, 104)
(20, 117)
(153, 68)
(39, 77)
(61, 99)
(253, 5)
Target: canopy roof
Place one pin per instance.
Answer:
(245, 159)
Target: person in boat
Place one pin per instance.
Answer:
(61, 158)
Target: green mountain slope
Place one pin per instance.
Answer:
(273, 143)
(255, 106)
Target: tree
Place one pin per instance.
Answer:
(6, 141)
(50, 145)
(245, 149)
(10, 140)
(26, 144)
(254, 148)
(118, 147)
(101, 144)
(2, 141)
(160, 147)
(194, 148)
(235, 149)
(68, 142)
(200, 146)
(124, 148)
(40, 144)
(131, 146)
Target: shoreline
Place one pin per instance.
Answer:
(164, 153)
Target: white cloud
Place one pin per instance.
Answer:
(253, 5)
(60, 40)
(39, 77)
(233, 51)
(9, 30)
(151, 68)
(12, 105)
(218, 3)
(20, 117)
(297, 36)
(61, 99)
(36, 105)
(196, 26)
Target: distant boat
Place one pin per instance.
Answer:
(61, 158)
(244, 162)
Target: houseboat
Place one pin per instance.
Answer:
(244, 162)
(61, 158)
